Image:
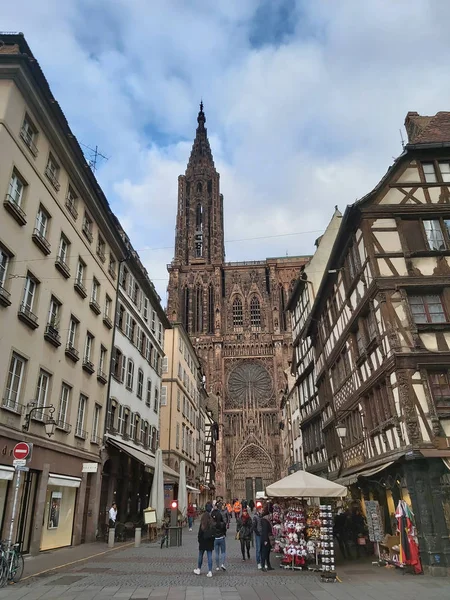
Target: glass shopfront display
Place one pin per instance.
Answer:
(6, 475)
(59, 512)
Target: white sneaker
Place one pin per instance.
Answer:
(217, 568)
(209, 574)
(197, 571)
(190, 529)
(223, 567)
(259, 566)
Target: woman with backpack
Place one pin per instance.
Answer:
(245, 529)
(205, 542)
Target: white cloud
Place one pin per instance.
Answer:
(296, 125)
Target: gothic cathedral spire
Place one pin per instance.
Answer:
(199, 232)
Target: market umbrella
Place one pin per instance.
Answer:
(157, 491)
(182, 490)
(305, 485)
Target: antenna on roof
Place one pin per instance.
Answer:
(93, 156)
(401, 137)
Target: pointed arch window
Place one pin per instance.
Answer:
(255, 312)
(238, 315)
(186, 308)
(210, 308)
(198, 313)
(283, 320)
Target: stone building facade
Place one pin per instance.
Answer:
(235, 314)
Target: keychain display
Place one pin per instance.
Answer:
(327, 564)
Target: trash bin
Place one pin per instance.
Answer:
(175, 536)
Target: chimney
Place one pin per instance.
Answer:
(415, 125)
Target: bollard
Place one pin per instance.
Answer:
(137, 537)
(111, 536)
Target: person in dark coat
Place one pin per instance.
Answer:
(251, 505)
(266, 539)
(341, 530)
(205, 542)
(245, 530)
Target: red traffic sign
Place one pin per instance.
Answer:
(22, 450)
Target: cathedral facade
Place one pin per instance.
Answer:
(235, 316)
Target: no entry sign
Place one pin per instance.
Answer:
(22, 451)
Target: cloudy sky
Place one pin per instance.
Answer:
(304, 101)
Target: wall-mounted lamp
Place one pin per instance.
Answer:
(49, 424)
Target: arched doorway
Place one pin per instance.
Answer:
(253, 471)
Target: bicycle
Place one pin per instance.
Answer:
(11, 563)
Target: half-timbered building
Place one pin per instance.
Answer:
(380, 328)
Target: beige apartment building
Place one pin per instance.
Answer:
(59, 260)
(180, 407)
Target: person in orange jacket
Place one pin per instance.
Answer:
(237, 509)
(229, 509)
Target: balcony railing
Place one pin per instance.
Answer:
(80, 433)
(12, 206)
(63, 426)
(95, 306)
(95, 439)
(106, 320)
(88, 366)
(41, 241)
(52, 178)
(52, 335)
(27, 138)
(13, 405)
(27, 316)
(79, 287)
(102, 376)
(5, 297)
(71, 208)
(62, 267)
(72, 353)
(87, 232)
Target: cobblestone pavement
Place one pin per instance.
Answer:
(149, 572)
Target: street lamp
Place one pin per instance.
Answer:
(50, 423)
(341, 431)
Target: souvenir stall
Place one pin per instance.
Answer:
(303, 522)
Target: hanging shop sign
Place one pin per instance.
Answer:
(374, 521)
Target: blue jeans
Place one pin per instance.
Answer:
(220, 548)
(190, 522)
(200, 558)
(258, 549)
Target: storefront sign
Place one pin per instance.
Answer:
(374, 522)
(90, 468)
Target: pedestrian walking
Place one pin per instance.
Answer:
(220, 532)
(251, 505)
(209, 506)
(190, 515)
(237, 509)
(230, 510)
(205, 543)
(257, 533)
(245, 533)
(112, 515)
(266, 541)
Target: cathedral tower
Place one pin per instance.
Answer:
(235, 315)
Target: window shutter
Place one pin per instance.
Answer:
(164, 395)
(165, 364)
(123, 368)
(413, 234)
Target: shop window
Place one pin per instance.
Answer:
(58, 516)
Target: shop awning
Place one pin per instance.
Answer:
(353, 478)
(146, 459)
(64, 480)
(435, 453)
(6, 473)
(302, 484)
(193, 490)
